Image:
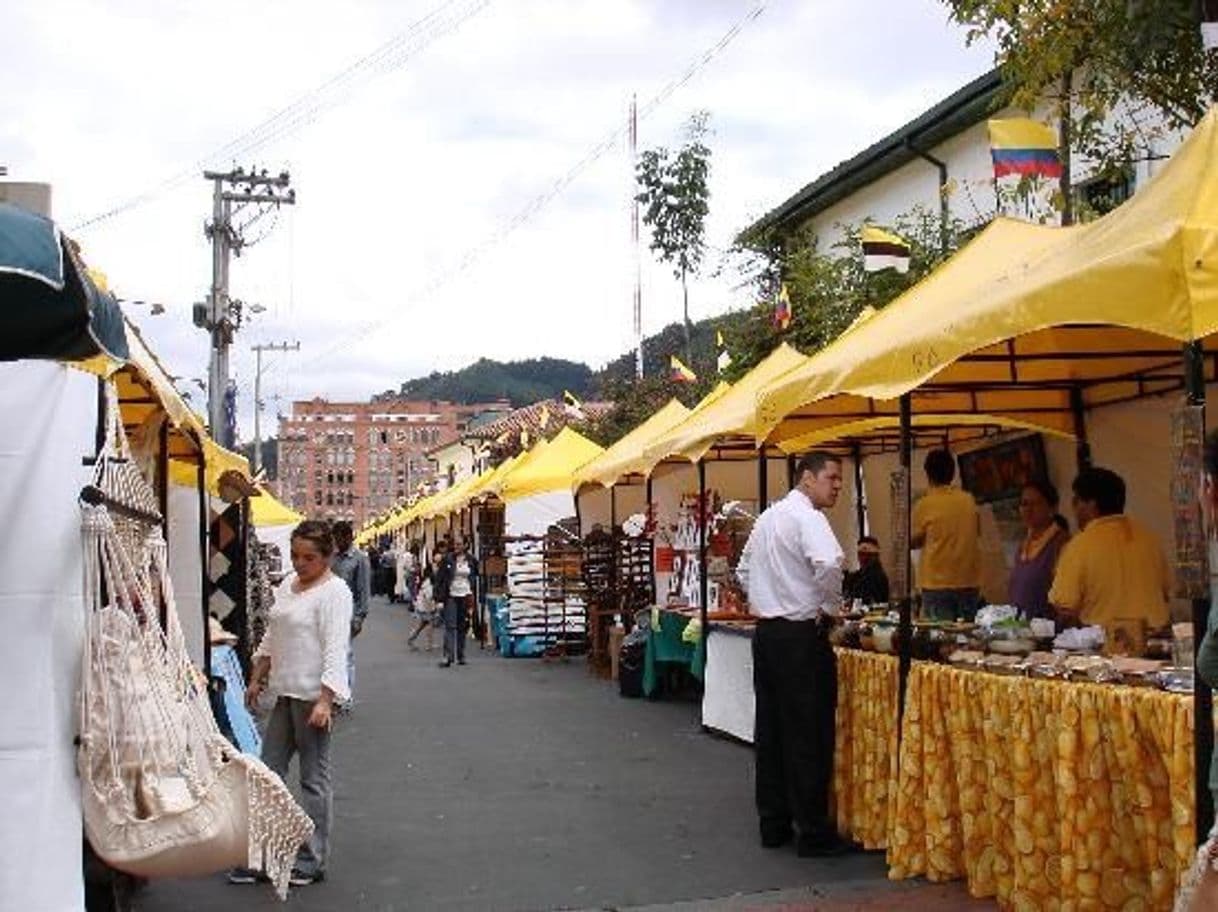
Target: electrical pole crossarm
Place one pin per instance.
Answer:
(258, 350)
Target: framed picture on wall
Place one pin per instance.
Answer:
(1000, 472)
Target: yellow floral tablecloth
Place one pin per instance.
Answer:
(1045, 794)
(865, 748)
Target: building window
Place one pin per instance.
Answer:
(329, 499)
(317, 498)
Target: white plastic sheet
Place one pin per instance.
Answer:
(49, 415)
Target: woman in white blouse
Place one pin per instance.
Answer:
(302, 663)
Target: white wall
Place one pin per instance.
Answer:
(186, 567)
(49, 415)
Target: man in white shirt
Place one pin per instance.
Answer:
(791, 569)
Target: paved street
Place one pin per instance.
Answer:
(521, 785)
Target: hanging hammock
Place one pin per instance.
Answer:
(164, 794)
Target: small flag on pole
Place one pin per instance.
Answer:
(680, 370)
(782, 309)
(725, 360)
(1022, 146)
(884, 250)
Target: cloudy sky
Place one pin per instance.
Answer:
(451, 201)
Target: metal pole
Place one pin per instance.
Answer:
(257, 408)
(1079, 409)
(763, 481)
(905, 624)
(703, 518)
(860, 516)
(634, 234)
(1203, 722)
(944, 209)
(612, 507)
(258, 350)
(791, 462)
(204, 557)
(217, 366)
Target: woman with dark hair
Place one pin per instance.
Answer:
(456, 582)
(1042, 544)
(302, 663)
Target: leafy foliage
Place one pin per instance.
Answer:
(675, 193)
(521, 382)
(1121, 56)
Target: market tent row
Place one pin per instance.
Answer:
(1101, 330)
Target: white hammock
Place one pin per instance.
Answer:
(164, 794)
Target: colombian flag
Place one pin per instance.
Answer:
(1022, 146)
(782, 309)
(680, 371)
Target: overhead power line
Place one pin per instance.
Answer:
(539, 203)
(335, 91)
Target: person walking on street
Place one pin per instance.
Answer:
(352, 566)
(947, 529)
(407, 584)
(791, 568)
(426, 606)
(456, 583)
(302, 663)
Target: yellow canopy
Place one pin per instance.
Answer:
(550, 466)
(1025, 313)
(882, 433)
(733, 412)
(661, 447)
(266, 510)
(626, 457)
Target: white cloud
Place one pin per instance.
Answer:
(420, 165)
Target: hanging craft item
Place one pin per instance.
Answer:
(163, 793)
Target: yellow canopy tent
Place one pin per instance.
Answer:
(1031, 322)
(662, 446)
(266, 510)
(731, 413)
(627, 455)
(550, 466)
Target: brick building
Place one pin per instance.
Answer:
(353, 460)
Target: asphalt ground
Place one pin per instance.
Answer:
(518, 784)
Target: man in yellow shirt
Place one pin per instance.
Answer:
(1114, 569)
(946, 527)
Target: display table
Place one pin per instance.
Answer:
(728, 705)
(865, 747)
(666, 645)
(1045, 794)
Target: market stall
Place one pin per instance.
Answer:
(1065, 328)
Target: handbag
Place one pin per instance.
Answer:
(163, 793)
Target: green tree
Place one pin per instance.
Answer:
(675, 193)
(1098, 62)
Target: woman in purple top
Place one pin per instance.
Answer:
(1036, 560)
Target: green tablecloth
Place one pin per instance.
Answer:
(666, 645)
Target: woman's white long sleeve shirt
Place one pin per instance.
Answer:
(307, 637)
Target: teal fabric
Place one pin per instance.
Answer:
(49, 307)
(666, 645)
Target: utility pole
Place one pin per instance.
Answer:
(222, 316)
(634, 232)
(258, 350)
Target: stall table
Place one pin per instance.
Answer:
(865, 745)
(667, 645)
(1045, 794)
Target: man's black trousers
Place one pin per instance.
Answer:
(795, 681)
